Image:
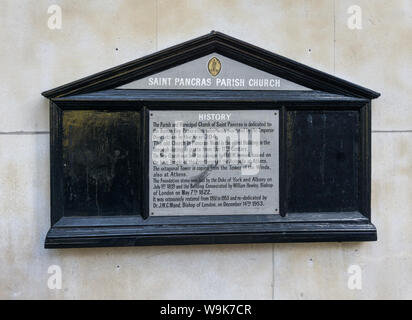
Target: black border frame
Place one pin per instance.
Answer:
(68, 232)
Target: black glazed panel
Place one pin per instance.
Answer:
(323, 161)
(101, 162)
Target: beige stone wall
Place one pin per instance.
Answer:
(98, 34)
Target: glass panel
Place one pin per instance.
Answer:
(323, 161)
(100, 162)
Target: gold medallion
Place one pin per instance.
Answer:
(214, 66)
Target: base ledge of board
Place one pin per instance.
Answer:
(115, 236)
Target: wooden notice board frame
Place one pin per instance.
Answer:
(349, 105)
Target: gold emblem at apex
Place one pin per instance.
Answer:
(214, 66)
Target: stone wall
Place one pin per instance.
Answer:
(99, 34)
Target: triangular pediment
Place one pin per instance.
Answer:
(190, 65)
(214, 72)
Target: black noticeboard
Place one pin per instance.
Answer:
(210, 141)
